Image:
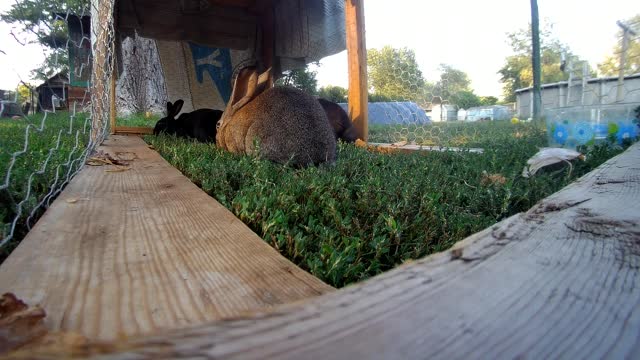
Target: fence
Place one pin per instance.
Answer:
(43, 146)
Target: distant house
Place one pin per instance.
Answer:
(394, 112)
(52, 94)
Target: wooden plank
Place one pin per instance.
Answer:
(134, 130)
(357, 58)
(412, 148)
(559, 281)
(131, 252)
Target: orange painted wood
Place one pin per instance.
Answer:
(357, 58)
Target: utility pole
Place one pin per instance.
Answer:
(535, 60)
(626, 31)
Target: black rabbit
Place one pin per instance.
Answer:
(339, 120)
(199, 124)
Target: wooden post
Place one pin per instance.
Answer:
(357, 57)
(535, 58)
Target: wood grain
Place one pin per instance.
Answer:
(357, 58)
(131, 252)
(134, 130)
(407, 148)
(560, 281)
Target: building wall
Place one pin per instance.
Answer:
(598, 91)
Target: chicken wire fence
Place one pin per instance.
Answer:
(408, 107)
(57, 114)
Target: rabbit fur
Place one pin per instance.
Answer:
(199, 124)
(287, 125)
(339, 120)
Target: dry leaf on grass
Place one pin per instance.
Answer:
(492, 179)
(19, 323)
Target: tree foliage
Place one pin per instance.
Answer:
(488, 100)
(333, 93)
(394, 74)
(611, 65)
(465, 99)
(303, 79)
(517, 71)
(452, 81)
(46, 20)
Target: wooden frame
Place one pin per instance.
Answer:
(357, 58)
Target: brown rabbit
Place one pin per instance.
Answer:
(288, 125)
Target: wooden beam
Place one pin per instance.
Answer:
(133, 130)
(408, 148)
(559, 281)
(357, 57)
(134, 249)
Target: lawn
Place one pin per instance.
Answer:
(370, 212)
(139, 119)
(61, 141)
(344, 223)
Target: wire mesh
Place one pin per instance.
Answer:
(55, 115)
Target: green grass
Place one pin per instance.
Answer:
(456, 133)
(12, 138)
(343, 223)
(139, 119)
(370, 212)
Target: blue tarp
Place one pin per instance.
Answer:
(389, 113)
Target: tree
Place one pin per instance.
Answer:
(488, 100)
(517, 71)
(303, 79)
(40, 17)
(465, 99)
(393, 74)
(611, 65)
(141, 85)
(452, 81)
(334, 93)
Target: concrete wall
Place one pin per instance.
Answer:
(598, 91)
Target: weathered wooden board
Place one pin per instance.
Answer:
(560, 281)
(135, 251)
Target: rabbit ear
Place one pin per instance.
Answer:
(244, 88)
(264, 80)
(177, 106)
